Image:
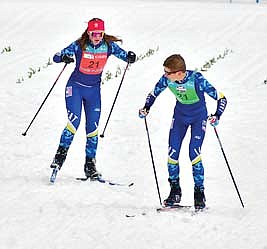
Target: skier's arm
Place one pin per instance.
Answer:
(151, 97)
(212, 92)
(120, 53)
(116, 50)
(66, 54)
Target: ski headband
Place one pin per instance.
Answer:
(96, 24)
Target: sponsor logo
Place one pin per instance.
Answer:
(101, 56)
(71, 116)
(181, 89)
(68, 91)
(88, 56)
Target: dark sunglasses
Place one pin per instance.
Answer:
(96, 34)
(169, 73)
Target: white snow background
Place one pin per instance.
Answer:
(72, 214)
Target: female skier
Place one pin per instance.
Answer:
(91, 52)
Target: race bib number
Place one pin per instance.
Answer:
(185, 93)
(92, 63)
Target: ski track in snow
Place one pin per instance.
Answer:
(73, 214)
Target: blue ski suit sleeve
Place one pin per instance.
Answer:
(118, 51)
(205, 86)
(69, 51)
(212, 92)
(161, 85)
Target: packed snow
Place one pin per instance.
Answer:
(227, 40)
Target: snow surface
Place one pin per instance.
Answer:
(71, 214)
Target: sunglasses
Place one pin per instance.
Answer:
(96, 34)
(170, 73)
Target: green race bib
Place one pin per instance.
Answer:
(185, 93)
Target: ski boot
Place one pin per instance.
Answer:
(199, 198)
(58, 162)
(90, 169)
(175, 195)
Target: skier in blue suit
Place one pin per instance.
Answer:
(91, 52)
(190, 111)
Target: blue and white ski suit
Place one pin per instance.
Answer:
(83, 87)
(190, 110)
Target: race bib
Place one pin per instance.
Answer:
(92, 63)
(185, 93)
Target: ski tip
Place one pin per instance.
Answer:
(131, 184)
(53, 175)
(129, 215)
(82, 178)
(134, 215)
(52, 180)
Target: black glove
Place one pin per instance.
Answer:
(67, 59)
(143, 112)
(131, 57)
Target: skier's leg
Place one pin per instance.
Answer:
(73, 106)
(92, 108)
(176, 135)
(177, 132)
(198, 129)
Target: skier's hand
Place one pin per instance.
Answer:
(131, 57)
(143, 112)
(67, 59)
(213, 120)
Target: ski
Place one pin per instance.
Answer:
(54, 175)
(162, 209)
(134, 215)
(174, 208)
(82, 178)
(185, 208)
(106, 181)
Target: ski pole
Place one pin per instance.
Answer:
(25, 133)
(152, 159)
(102, 135)
(217, 135)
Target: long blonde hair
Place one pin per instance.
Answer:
(84, 39)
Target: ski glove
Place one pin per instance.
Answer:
(143, 112)
(131, 57)
(213, 120)
(65, 58)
